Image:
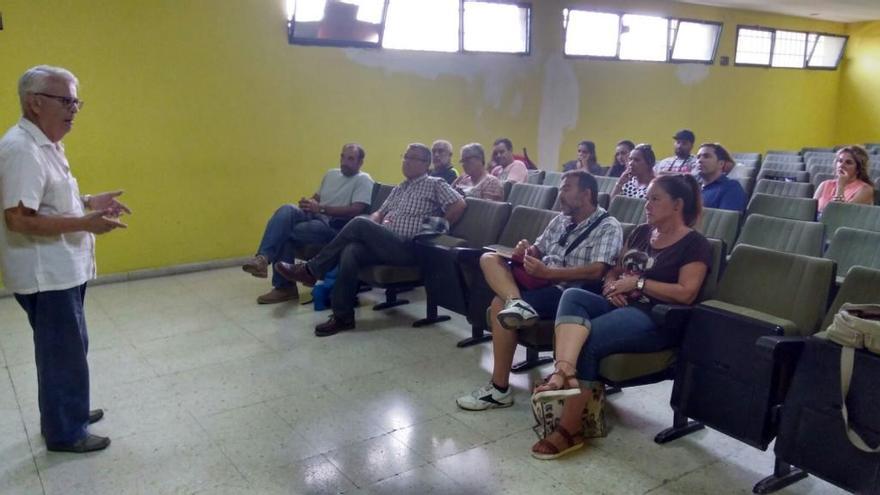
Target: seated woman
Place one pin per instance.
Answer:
(621, 157)
(853, 185)
(633, 182)
(476, 181)
(663, 261)
(586, 159)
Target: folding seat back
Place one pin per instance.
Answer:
(627, 210)
(745, 156)
(782, 234)
(741, 171)
(783, 188)
(606, 184)
(819, 178)
(788, 156)
(552, 178)
(534, 195)
(535, 177)
(525, 223)
(851, 247)
(783, 166)
(783, 175)
(820, 168)
(811, 431)
(723, 379)
(783, 207)
(753, 163)
(720, 224)
(838, 214)
(481, 223)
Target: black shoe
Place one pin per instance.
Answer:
(96, 415)
(333, 326)
(90, 443)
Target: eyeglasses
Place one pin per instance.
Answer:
(65, 100)
(414, 158)
(568, 230)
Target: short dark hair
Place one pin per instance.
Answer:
(506, 142)
(686, 188)
(359, 148)
(585, 182)
(720, 152)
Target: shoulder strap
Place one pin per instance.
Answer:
(586, 233)
(847, 358)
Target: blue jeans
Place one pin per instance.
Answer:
(288, 229)
(61, 343)
(612, 330)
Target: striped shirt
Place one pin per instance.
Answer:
(413, 200)
(602, 246)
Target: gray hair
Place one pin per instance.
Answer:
(474, 149)
(443, 144)
(36, 80)
(422, 149)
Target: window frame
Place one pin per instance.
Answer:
(772, 31)
(711, 61)
(669, 47)
(292, 39)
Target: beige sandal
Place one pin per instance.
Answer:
(572, 442)
(551, 391)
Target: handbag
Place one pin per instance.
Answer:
(548, 413)
(855, 326)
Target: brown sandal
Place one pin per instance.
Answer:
(555, 452)
(554, 391)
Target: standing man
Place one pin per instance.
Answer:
(683, 162)
(441, 161)
(385, 237)
(345, 193)
(47, 251)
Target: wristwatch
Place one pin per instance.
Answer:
(323, 210)
(640, 284)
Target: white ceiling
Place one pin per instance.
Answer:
(829, 10)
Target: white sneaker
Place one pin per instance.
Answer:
(517, 313)
(486, 397)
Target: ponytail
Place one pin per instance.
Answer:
(686, 188)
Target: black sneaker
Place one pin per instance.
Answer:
(89, 443)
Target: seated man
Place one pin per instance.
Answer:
(683, 162)
(344, 193)
(476, 182)
(506, 168)
(576, 249)
(718, 190)
(441, 161)
(386, 237)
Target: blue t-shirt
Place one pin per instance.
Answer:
(724, 193)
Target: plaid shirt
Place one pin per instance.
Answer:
(676, 165)
(410, 202)
(602, 246)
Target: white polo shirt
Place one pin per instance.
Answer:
(35, 172)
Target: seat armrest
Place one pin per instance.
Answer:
(671, 315)
(467, 255)
(778, 347)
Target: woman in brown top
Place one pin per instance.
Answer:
(665, 261)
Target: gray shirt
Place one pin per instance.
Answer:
(338, 190)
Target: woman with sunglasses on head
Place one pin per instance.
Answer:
(663, 261)
(633, 182)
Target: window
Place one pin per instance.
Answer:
(639, 37)
(824, 50)
(434, 25)
(496, 27)
(693, 41)
(788, 49)
(335, 22)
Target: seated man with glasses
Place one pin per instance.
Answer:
(476, 182)
(575, 250)
(386, 237)
(345, 193)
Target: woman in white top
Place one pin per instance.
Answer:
(639, 173)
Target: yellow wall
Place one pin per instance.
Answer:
(209, 120)
(859, 113)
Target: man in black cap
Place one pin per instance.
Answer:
(683, 162)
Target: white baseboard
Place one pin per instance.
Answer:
(158, 272)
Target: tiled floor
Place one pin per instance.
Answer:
(207, 392)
